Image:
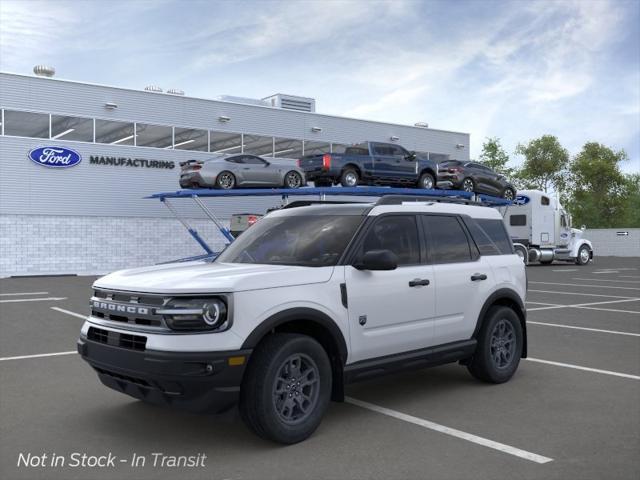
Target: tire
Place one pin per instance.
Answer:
(225, 180)
(293, 179)
(427, 181)
(509, 194)
(273, 416)
(523, 253)
(584, 255)
(468, 185)
(497, 366)
(546, 262)
(349, 178)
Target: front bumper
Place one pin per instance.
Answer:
(193, 381)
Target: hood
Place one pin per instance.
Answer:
(205, 277)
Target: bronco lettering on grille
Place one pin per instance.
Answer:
(116, 307)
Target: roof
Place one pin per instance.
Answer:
(438, 207)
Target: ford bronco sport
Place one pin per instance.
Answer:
(307, 300)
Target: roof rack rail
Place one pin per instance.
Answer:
(306, 203)
(399, 199)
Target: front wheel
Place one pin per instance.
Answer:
(293, 179)
(508, 194)
(584, 255)
(287, 388)
(468, 185)
(426, 181)
(499, 347)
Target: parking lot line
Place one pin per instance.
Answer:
(73, 314)
(586, 286)
(607, 280)
(583, 328)
(552, 306)
(586, 369)
(609, 310)
(581, 294)
(566, 270)
(47, 299)
(40, 355)
(533, 457)
(23, 293)
(629, 276)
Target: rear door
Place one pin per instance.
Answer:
(388, 311)
(463, 279)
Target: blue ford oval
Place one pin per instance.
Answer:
(55, 157)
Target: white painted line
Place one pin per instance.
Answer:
(587, 286)
(48, 299)
(540, 303)
(73, 314)
(584, 328)
(22, 357)
(629, 276)
(586, 305)
(566, 270)
(450, 431)
(586, 369)
(607, 280)
(610, 310)
(607, 271)
(576, 293)
(23, 293)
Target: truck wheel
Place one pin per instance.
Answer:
(287, 388)
(508, 194)
(349, 178)
(468, 185)
(427, 181)
(499, 346)
(522, 252)
(584, 255)
(546, 262)
(225, 180)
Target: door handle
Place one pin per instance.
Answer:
(478, 276)
(419, 282)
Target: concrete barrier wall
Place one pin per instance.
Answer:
(615, 242)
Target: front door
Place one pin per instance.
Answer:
(391, 311)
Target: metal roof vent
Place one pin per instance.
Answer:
(153, 88)
(175, 91)
(421, 124)
(292, 102)
(44, 71)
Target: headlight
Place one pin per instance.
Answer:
(195, 314)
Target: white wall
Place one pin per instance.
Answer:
(607, 242)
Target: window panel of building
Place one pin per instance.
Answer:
(26, 124)
(157, 136)
(191, 139)
(316, 148)
(287, 148)
(258, 145)
(71, 128)
(113, 132)
(225, 143)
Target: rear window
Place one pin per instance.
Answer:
(448, 242)
(356, 151)
(490, 236)
(450, 163)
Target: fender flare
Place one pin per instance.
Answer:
(293, 314)
(512, 296)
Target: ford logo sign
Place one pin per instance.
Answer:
(55, 157)
(521, 200)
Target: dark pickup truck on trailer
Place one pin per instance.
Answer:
(371, 163)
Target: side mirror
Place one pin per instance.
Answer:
(378, 260)
(411, 156)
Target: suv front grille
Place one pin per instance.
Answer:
(130, 308)
(117, 339)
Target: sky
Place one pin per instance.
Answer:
(509, 69)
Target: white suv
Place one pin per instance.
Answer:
(307, 300)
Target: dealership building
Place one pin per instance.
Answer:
(91, 217)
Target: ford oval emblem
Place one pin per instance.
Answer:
(55, 157)
(521, 200)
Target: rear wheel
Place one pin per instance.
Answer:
(293, 179)
(499, 347)
(287, 388)
(522, 252)
(468, 185)
(584, 255)
(427, 181)
(508, 194)
(349, 178)
(226, 180)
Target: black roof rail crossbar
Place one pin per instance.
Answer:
(306, 203)
(399, 199)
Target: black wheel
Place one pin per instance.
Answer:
(499, 346)
(546, 262)
(522, 252)
(584, 255)
(508, 194)
(226, 180)
(468, 185)
(287, 388)
(427, 181)
(349, 178)
(293, 179)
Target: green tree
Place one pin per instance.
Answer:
(599, 193)
(545, 164)
(495, 157)
(631, 210)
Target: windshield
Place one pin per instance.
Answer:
(310, 241)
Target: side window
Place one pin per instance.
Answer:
(518, 220)
(250, 159)
(383, 149)
(235, 159)
(544, 200)
(397, 233)
(398, 151)
(490, 236)
(448, 240)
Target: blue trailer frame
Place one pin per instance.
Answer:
(320, 192)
